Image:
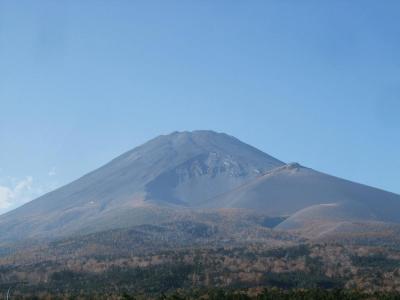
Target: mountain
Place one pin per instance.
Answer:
(182, 169)
(178, 176)
(304, 194)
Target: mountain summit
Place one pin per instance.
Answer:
(184, 169)
(192, 171)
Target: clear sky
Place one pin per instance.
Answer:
(317, 82)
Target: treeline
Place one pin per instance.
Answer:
(277, 294)
(308, 269)
(222, 294)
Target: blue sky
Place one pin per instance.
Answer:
(316, 82)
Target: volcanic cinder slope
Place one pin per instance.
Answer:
(189, 172)
(313, 201)
(180, 170)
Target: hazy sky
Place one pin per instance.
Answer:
(316, 82)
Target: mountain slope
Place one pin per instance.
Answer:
(183, 168)
(185, 173)
(312, 199)
(290, 188)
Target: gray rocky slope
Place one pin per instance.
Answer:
(192, 171)
(312, 200)
(182, 169)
